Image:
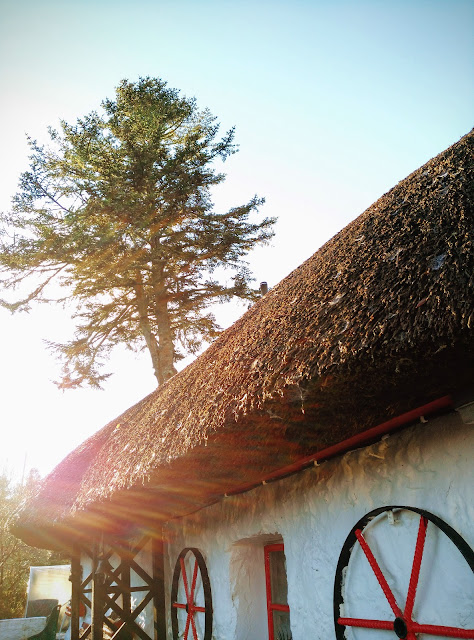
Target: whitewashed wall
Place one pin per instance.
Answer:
(144, 560)
(428, 466)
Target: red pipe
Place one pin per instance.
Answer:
(351, 443)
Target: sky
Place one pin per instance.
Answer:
(333, 101)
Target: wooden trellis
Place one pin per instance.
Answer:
(108, 587)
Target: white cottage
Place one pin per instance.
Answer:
(310, 475)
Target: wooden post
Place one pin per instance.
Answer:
(76, 580)
(125, 577)
(98, 590)
(158, 551)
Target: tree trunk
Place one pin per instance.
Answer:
(165, 338)
(145, 326)
(162, 315)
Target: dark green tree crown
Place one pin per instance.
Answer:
(118, 211)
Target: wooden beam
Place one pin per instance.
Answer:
(126, 595)
(98, 599)
(158, 588)
(131, 625)
(76, 583)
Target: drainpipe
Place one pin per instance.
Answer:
(359, 440)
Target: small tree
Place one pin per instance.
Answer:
(118, 211)
(15, 556)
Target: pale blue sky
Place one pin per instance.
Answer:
(333, 102)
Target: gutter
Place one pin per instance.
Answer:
(361, 439)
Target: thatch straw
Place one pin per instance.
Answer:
(380, 319)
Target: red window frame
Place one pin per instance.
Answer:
(272, 606)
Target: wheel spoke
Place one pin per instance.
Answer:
(185, 579)
(379, 575)
(186, 628)
(192, 578)
(193, 624)
(189, 619)
(366, 624)
(415, 571)
(414, 627)
(406, 625)
(446, 632)
(193, 585)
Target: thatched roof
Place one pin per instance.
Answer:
(376, 322)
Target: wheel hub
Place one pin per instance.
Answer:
(400, 627)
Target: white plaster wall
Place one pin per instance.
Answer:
(247, 588)
(86, 564)
(144, 560)
(428, 466)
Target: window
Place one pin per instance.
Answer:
(277, 593)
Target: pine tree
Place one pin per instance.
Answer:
(117, 209)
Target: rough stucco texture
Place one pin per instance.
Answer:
(428, 466)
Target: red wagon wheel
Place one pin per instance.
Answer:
(191, 600)
(378, 571)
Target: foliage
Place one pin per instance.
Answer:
(15, 556)
(118, 211)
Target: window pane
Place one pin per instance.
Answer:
(278, 577)
(281, 625)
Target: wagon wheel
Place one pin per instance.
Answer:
(378, 571)
(191, 585)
